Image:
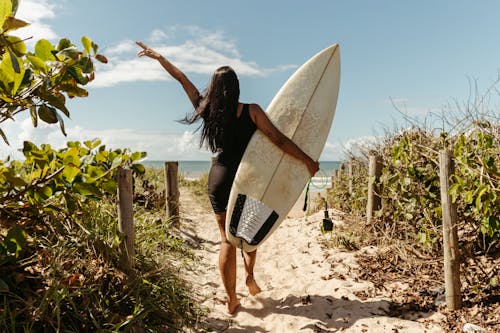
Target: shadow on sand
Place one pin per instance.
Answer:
(308, 313)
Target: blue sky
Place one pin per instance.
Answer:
(416, 56)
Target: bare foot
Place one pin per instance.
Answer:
(232, 306)
(252, 285)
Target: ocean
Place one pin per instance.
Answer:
(195, 169)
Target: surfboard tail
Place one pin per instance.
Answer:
(251, 219)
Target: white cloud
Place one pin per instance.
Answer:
(37, 13)
(158, 35)
(357, 146)
(199, 51)
(122, 47)
(332, 151)
(158, 144)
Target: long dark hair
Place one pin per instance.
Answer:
(217, 107)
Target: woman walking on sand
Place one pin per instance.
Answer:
(227, 127)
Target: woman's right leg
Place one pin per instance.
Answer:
(227, 265)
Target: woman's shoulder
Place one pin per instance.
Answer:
(254, 110)
(254, 107)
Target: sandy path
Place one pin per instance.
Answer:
(300, 293)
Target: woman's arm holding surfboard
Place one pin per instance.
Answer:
(176, 73)
(263, 123)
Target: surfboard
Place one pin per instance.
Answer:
(268, 182)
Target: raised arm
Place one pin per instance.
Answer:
(176, 73)
(263, 123)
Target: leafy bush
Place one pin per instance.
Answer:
(409, 184)
(59, 247)
(475, 180)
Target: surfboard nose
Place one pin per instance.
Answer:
(330, 50)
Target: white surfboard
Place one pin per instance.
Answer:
(268, 181)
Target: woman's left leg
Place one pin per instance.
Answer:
(250, 258)
(227, 265)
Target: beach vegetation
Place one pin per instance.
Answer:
(59, 247)
(408, 226)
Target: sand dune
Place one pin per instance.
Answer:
(299, 278)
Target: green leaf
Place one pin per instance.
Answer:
(109, 186)
(87, 43)
(94, 171)
(15, 4)
(15, 63)
(43, 50)
(117, 161)
(91, 144)
(15, 240)
(4, 137)
(5, 11)
(469, 197)
(29, 147)
(95, 47)
(70, 172)
(87, 189)
(37, 63)
(17, 45)
(61, 124)
(6, 98)
(139, 169)
(71, 157)
(70, 52)
(74, 91)
(481, 191)
(454, 191)
(76, 73)
(63, 44)
(19, 70)
(47, 114)
(13, 179)
(136, 156)
(45, 192)
(86, 65)
(7, 74)
(34, 116)
(12, 23)
(56, 100)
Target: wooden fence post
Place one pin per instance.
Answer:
(374, 201)
(172, 191)
(450, 237)
(126, 217)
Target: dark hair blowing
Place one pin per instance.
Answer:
(217, 107)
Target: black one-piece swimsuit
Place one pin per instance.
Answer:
(224, 166)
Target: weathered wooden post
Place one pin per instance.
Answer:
(126, 217)
(374, 172)
(450, 237)
(172, 191)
